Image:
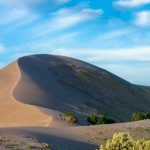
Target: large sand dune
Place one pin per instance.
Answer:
(68, 85)
(36, 90)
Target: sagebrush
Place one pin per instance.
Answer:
(123, 141)
(70, 117)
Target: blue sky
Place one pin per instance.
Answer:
(112, 34)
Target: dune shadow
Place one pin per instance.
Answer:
(55, 141)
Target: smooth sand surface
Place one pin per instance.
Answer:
(80, 138)
(12, 112)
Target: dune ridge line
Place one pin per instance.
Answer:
(24, 114)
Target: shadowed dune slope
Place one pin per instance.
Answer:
(68, 85)
(12, 112)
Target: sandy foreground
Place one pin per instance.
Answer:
(79, 138)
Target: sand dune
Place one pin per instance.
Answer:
(65, 84)
(12, 112)
(36, 90)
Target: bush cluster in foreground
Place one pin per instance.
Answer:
(123, 141)
(99, 119)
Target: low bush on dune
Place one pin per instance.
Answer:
(140, 116)
(123, 141)
(70, 117)
(99, 119)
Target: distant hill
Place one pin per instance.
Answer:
(69, 85)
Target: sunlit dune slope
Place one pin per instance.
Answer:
(13, 112)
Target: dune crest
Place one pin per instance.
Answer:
(14, 113)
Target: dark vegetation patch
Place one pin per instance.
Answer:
(141, 115)
(70, 117)
(99, 119)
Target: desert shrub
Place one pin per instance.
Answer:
(120, 141)
(142, 145)
(70, 117)
(123, 141)
(140, 116)
(99, 119)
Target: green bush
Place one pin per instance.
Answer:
(70, 117)
(123, 141)
(140, 116)
(142, 145)
(99, 119)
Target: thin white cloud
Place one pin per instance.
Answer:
(14, 15)
(131, 3)
(69, 17)
(50, 43)
(2, 47)
(21, 16)
(95, 55)
(44, 45)
(115, 33)
(20, 3)
(18, 11)
(65, 18)
(142, 18)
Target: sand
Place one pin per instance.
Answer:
(79, 138)
(12, 112)
(31, 103)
